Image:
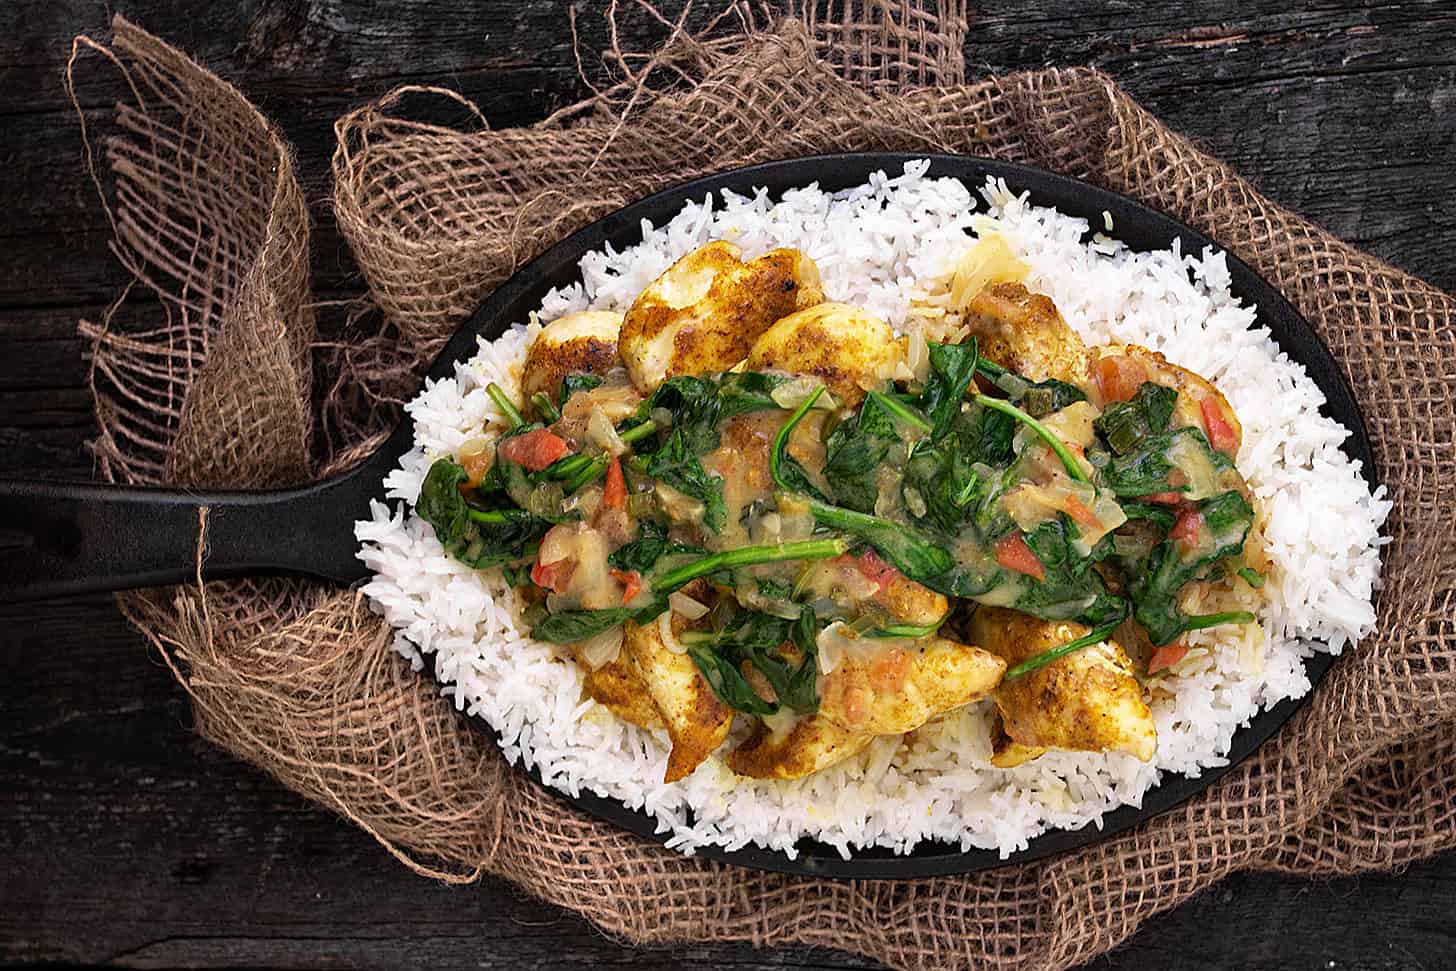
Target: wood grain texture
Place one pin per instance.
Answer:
(128, 841)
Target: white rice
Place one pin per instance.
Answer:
(875, 247)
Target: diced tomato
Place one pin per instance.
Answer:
(614, 494)
(1220, 433)
(877, 570)
(1165, 498)
(631, 582)
(553, 576)
(1013, 553)
(1185, 530)
(1166, 656)
(1118, 378)
(1081, 514)
(535, 450)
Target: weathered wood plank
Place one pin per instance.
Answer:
(1343, 114)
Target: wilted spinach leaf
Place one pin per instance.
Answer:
(758, 639)
(855, 451)
(642, 552)
(1144, 471)
(1226, 517)
(476, 537)
(1125, 424)
(573, 383)
(952, 368)
(699, 405)
(1071, 588)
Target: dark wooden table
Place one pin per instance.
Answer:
(128, 841)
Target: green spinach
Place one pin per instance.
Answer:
(1126, 424)
(759, 639)
(1227, 518)
(582, 381)
(854, 453)
(476, 537)
(1144, 470)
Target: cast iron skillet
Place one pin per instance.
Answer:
(70, 539)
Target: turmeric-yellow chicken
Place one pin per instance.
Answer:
(697, 721)
(704, 313)
(1088, 701)
(890, 689)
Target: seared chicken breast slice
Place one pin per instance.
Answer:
(1089, 701)
(799, 749)
(1025, 332)
(897, 687)
(697, 722)
(847, 348)
(620, 689)
(579, 343)
(703, 314)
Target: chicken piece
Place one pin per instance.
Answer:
(792, 752)
(704, 313)
(1006, 753)
(908, 601)
(898, 685)
(620, 689)
(1117, 371)
(581, 343)
(847, 348)
(1088, 701)
(697, 722)
(1024, 331)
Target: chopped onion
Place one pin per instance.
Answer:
(794, 523)
(1012, 384)
(914, 501)
(835, 644)
(557, 544)
(988, 260)
(1073, 424)
(616, 403)
(601, 650)
(599, 432)
(1194, 463)
(664, 630)
(791, 394)
(769, 528)
(683, 604)
(1031, 505)
(917, 356)
(780, 723)
(679, 506)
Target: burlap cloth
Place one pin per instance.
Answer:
(234, 384)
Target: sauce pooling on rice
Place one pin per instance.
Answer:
(795, 517)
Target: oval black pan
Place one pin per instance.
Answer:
(60, 538)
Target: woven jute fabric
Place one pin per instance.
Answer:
(232, 385)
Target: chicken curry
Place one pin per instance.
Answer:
(740, 500)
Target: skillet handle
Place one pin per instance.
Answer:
(62, 538)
